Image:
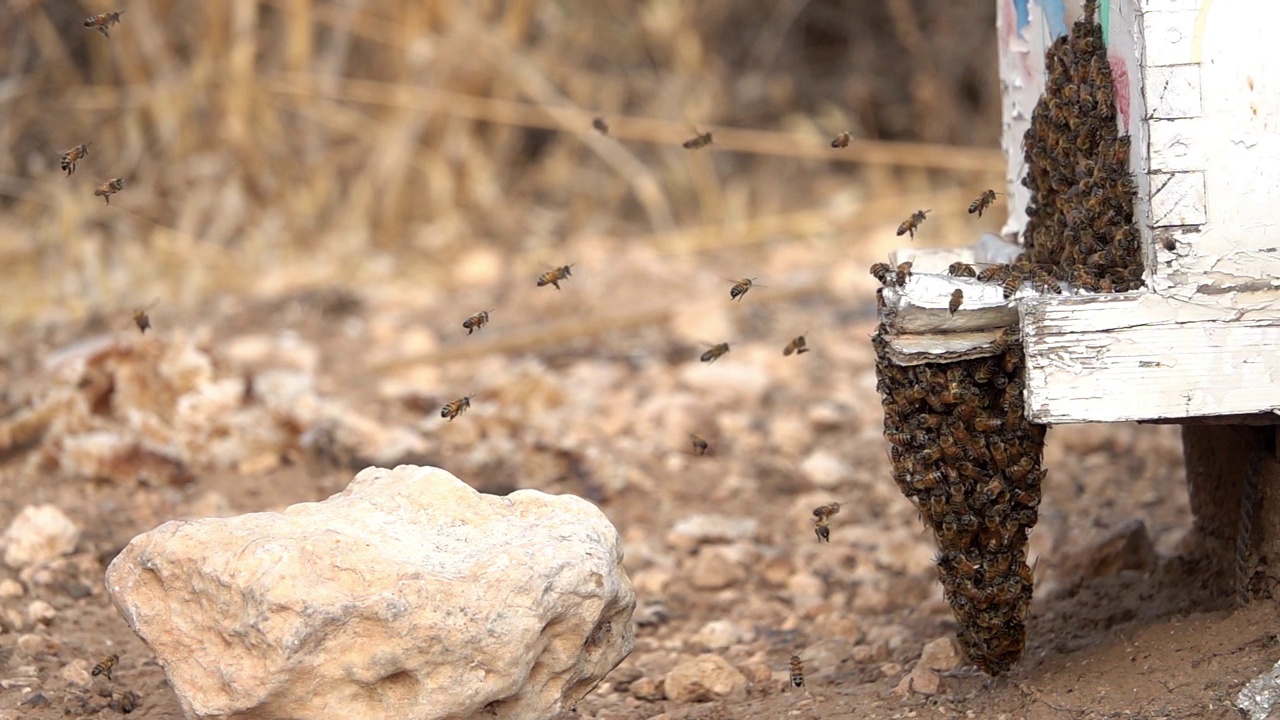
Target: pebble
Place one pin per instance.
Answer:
(651, 581)
(705, 678)
(701, 529)
(716, 568)
(720, 634)
(39, 534)
(40, 612)
(940, 654)
(33, 644)
(649, 689)
(823, 657)
(76, 673)
(825, 469)
(10, 588)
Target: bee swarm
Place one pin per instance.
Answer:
(1080, 217)
(965, 455)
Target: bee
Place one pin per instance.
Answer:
(911, 224)
(931, 480)
(105, 667)
(1003, 340)
(71, 157)
(109, 188)
(796, 346)
(740, 288)
(842, 140)
(1011, 285)
(126, 702)
(987, 424)
(823, 512)
(103, 21)
(904, 273)
(822, 530)
(477, 321)
(797, 671)
(985, 372)
(961, 269)
(555, 277)
(957, 297)
(884, 273)
(142, 320)
(715, 352)
(994, 273)
(699, 140)
(600, 125)
(983, 202)
(456, 408)
(700, 444)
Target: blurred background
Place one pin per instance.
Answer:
(272, 145)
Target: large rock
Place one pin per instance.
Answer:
(409, 595)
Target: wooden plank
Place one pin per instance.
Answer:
(1114, 358)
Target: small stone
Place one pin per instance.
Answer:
(368, 596)
(705, 678)
(865, 655)
(651, 614)
(807, 590)
(697, 530)
(720, 634)
(33, 644)
(891, 669)
(825, 469)
(40, 612)
(1127, 547)
(940, 654)
(823, 657)
(10, 588)
(925, 681)
(716, 568)
(36, 700)
(648, 689)
(14, 619)
(652, 581)
(76, 673)
(777, 569)
(39, 534)
(757, 673)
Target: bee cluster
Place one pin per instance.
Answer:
(1080, 216)
(965, 455)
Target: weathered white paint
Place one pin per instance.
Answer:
(1111, 358)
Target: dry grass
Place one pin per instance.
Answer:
(272, 144)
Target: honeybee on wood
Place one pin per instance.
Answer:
(715, 352)
(740, 288)
(69, 158)
(1011, 284)
(103, 21)
(842, 140)
(555, 277)
(456, 408)
(884, 273)
(142, 320)
(477, 321)
(600, 125)
(796, 346)
(1003, 340)
(903, 272)
(983, 202)
(911, 224)
(957, 297)
(961, 269)
(107, 665)
(700, 444)
(109, 188)
(699, 140)
(797, 671)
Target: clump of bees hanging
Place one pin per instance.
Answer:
(1080, 217)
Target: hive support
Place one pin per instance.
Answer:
(1233, 481)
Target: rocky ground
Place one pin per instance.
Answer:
(254, 404)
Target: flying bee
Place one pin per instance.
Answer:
(105, 667)
(103, 21)
(740, 288)
(600, 125)
(715, 352)
(884, 273)
(911, 224)
(822, 512)
(71, 157)
(842, 140)
(477, 321)
(456, 408)
(699, 140)
(983, 202)
(957, 297)
(109, 188)
(796, 346)
(142, 320)
(700, 444)
(961, 269)
(555, 277)
(797, 671)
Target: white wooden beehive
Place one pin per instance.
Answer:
(1197, 90)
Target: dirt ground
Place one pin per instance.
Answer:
(576, 396)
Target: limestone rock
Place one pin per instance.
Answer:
(705, 678)
(408, 595)
(38, 534)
